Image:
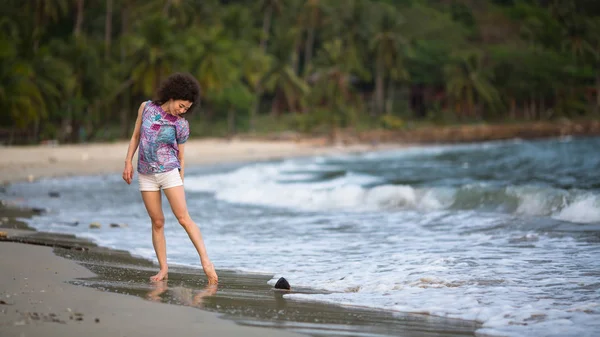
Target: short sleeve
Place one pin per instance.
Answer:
(183, 131)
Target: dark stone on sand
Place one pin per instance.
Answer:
(38, 211)
(53, 194)
(282, 283)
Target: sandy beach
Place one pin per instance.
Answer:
(37, 301)
(21, 163)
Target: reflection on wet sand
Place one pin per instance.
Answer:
(249, 300)
(183, 295)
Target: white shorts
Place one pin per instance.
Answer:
(156, 181)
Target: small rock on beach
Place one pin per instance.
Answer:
(282, 284)
(95, 225)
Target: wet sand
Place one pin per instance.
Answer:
(60, 285)
(37, 300)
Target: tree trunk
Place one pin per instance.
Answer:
(533, 110)
(295, 57)
(480, 110)
(108, 28)
(166, 7)
(78, 19)
(125, 112)
(308, 48)
(513, 109)
(254, 110)
(75, 131)
(37, 24)
(389, 105)
(231, 121)
(36, 130)
(275, 104)
(379, 83)
(266, 28)
(334, 132)
(470, 103)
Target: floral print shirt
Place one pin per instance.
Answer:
(160, 134)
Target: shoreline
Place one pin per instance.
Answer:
(94, 274)
(29, 163)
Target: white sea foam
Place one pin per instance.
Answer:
(584, 209)
(270, 185)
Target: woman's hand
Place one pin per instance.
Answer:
(128, 172)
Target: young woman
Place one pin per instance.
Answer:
(161, 132)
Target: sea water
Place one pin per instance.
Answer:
(504, 233)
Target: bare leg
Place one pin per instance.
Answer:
(176, 197)
(153, 202)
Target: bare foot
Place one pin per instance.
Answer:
(210, 272)
(162, 275)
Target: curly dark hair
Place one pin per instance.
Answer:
(181, 86)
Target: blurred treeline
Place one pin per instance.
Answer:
(76, 70)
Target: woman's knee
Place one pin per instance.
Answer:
(184, 220)
(158, 223)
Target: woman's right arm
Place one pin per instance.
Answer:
(133, 145)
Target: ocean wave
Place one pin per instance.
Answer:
(283, 185)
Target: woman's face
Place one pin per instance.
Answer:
(178, 107)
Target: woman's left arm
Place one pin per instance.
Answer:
(181, 159)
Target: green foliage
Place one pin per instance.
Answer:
(391, 122)
(311, 66)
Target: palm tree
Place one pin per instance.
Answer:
(467, 79)
(333, 91)
(47, 11)
(269, 8)
(353, 26)
(310, 19)
(35, 81)
(289, 89)
(254, 66)
(54, 77)
(594, 30)
(108, 28)
(78, 18)
(19, 94)
(214, 59)
(387, 45)
(236, 96)
(155, 52)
